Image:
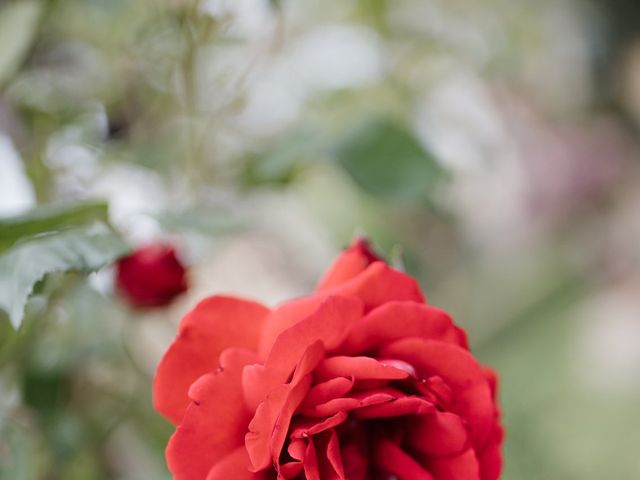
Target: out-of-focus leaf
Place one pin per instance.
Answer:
(387, 160)
(21, 452)
(18, 24)
(49, 218)
(375, 11)
(280, 164)
(27, 263)
(277, 167)
(45, 391)
(85, 463)
(67, 433)
(199, 220)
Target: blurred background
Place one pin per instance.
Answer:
(489, 147)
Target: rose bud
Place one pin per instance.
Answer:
(151, 276)
(359, 380)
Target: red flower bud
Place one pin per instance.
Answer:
(151, 276)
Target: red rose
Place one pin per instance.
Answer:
(151, 276)
(361, 380)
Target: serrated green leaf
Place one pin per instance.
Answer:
(49, 218)
(387, 160)
(18, 24)
(27, 263)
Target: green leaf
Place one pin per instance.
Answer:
(386, 160)
(280, 164)
(49, 218)
(277, 167)
(200, 220)
(18, 25)
(27, 263)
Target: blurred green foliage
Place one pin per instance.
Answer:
(49, 218)
(469, 133)
(18, 26)
(50, 239)
(385, 160)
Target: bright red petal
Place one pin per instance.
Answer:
(305, 427)
(235, 466)
(344, 404)
(439, 434)
(324, 391)
(311, 467)
(213, 325)
(460, 370)
(396, 320)
(359, 368)
(401, 406)
(457, 467)
(286, 316)
(329, 324)
(350, 263)
(264, 441)
(380, 284)
(490, 457)
(390, 458)
(215, 422)
(334, 456)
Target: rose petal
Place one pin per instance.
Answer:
(458, 368)
(436, 386)
(215, 422)
(490, 457)
(291, 470)
(380, 284)
(358, 400)
(439, 434)
(297, 448)
(328, 324)
(306, 427)
(213, 325)
(492, 378)
(234, 466)
(334, 456)
(355, 460)
(268, 428)
(461, 337)
(324, 391)
(458, 467)
(401, 406)
(286, 316)
(350, 263)
(294, 468)
(311, 467)
(396, 320)
(360, 368)
(391, 459)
